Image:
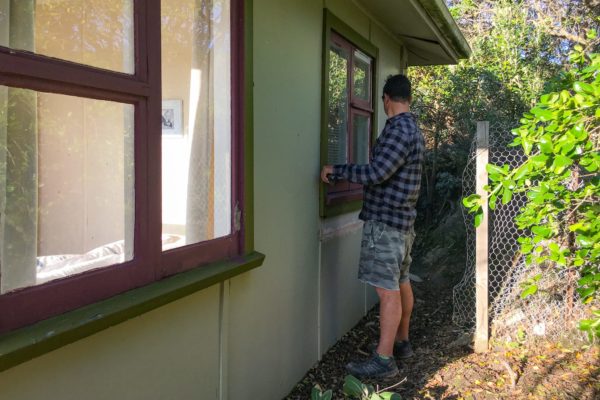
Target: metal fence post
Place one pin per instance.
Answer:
(481, 241)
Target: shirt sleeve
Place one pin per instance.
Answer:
(391, 155)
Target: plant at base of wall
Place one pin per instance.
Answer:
(317, 394)
(355, 389)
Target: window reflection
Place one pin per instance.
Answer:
(66, 186)
(92, 32)
(337, 152)
(361, 75)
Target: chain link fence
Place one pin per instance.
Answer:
(553, 312)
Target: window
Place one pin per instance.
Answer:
(120, 161)
(196, 195)
(92, 32)
(347, 116)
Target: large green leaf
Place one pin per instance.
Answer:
(583, 87)
(560, 163)
(390, 396)
(495, 170)
(542, 113)
(354, 387)
(478, 218)
(530, 290)
(542, 231)
(507, 196)
(546, 144)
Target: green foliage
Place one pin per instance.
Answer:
(317, 394)
(517, 47)
(358, 390)
(355, 389)
(560, 179)
(338, 77)
(591, 325)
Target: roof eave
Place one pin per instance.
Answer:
(449, 32)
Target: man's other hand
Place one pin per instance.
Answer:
(327, 170)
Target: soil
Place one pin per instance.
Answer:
(444, 365)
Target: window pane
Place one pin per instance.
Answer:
(360, 138)
(93, 32)
(66, 186)
(361, 75)
(337, 124)
(196, 141)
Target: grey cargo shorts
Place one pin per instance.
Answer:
(384, 255)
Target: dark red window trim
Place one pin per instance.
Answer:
(142, 90)
(344, 191)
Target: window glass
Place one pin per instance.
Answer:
(349, 116)
(361, 75)
(337, 124)
(360, 138)
(66, 186)
(92, 32)
(196, 121)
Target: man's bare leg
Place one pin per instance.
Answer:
(407, 301)
(390, 313)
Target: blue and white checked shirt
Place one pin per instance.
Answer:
(393, 177)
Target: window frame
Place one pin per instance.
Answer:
(21, 308)
(349, 199)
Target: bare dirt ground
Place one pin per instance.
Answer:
(444, 365)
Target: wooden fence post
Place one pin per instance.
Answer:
(481, 242)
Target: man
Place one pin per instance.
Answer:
(391, 187)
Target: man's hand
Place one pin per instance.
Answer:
(327, 170)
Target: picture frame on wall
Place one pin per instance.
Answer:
(172, 117)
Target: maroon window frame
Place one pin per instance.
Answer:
(346, 191)
(143, 90)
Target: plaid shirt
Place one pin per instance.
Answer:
(393, 177)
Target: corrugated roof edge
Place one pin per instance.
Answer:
(440, 15)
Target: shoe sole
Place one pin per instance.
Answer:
(384, 375)
(378, 376)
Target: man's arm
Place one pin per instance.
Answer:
(392, 155)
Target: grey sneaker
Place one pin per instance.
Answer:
(374, 367)
(402, 349)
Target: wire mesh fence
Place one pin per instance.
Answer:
(554, 311)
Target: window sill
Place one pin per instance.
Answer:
(35, 340)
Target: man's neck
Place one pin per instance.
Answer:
(398, 107)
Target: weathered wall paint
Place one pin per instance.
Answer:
(274, 310)
(169, 353)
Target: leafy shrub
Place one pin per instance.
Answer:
(560, 178)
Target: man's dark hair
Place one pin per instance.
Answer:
(398, 88)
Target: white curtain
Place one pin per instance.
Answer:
(199, 223)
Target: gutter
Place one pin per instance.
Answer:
(447, 27)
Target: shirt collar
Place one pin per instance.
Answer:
(397, 117)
